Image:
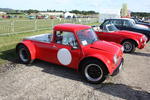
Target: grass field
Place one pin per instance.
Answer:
(8, 43)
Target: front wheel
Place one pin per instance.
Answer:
(129, 46)
(94, 71)
(24, 54)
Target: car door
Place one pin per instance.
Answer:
(110, 33)
(104, 34)
(67, 51)
(45, 51)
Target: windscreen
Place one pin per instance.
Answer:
(87, 36)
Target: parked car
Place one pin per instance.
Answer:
(39, 17)
(138, 21)
(52, 17)
(129, 40)
(74, 46)
(31, 17)
(128, 24)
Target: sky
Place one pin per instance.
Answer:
(102, 6)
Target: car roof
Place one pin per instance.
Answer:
(70, 27)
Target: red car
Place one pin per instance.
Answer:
(129, 40)
(74, 46)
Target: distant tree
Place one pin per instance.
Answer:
(83, 12)
(12, 11)
(75, 11)
(7, 10)
(54, 10)
(140, 14)
(32, 11)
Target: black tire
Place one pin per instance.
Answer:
(94, 71)
(129, 46)
(24, 54)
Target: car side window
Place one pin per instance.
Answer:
(66, 38)
(116, 22)
(126, 23)
(106, 22)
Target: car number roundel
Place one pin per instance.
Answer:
(64, 56)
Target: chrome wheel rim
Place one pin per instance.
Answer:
(93, 72)
(23, 55)
(127, 46)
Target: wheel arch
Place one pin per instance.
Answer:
(133, 40)
(93, 58)
(30, 46)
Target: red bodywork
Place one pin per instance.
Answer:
(101, 50)
(120, 36)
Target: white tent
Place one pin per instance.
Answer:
(69, 15)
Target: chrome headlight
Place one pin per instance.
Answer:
(115, 59)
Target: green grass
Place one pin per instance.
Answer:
(8, 44)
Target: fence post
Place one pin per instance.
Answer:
(52, 23)
(35, 25)
(12, 26)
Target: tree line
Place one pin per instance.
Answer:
(140, 14)
(84, 12)
(12, 11)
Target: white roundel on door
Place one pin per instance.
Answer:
(64, 56)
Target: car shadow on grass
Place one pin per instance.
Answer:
(141, 54)
(9, 55)
(117, 90)
(8, 60)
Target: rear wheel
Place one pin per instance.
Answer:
(94, 71)
(129, 46)
(24, 54)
